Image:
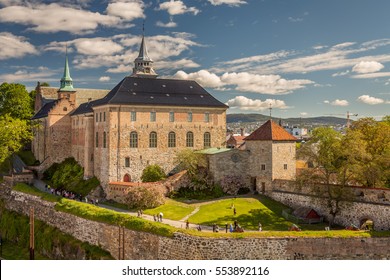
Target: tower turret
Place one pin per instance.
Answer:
(66, 80)
(143, 64)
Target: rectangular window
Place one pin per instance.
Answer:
(207, 117)
(133, 116)
(104, 140)
(189, 117)
(104, 116)
(97, 117)
(263, 167)
(127, 162)
(100, 118)
(152, 116)
(97, 139)
(285, 167)
(171, 116)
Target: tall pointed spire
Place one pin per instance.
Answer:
(143, 64)
(66, 80)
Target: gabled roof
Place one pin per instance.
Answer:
(159, 92)
(270, 131)
(44, 112)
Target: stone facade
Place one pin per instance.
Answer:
(140, 245)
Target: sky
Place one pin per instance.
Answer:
(304, 58)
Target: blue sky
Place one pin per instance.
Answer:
(305, 57)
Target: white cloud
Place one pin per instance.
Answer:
(245, 82)
(128, 10)
(370, 100)
(291, 19)
(247, 104)
(104, 79)
(343, 73)
(30, 75)
(176, 64)
(364, 67)
(227, 2)
(170, 24)
(304, 114)
(371, 75)
(177, 8)
(54, 17)
(12, 46)
(339, 102)
(326, 101)
(203, 77)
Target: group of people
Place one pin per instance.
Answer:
(158, 218)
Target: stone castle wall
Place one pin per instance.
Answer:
(140, 245)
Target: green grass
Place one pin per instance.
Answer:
(172, 210)
(250, 212)
(95, 213)
(12, 251)
(34, 191)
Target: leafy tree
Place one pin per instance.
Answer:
(15, 101)
(14, 133)
(191, 161)
(152, 173)
(144, 197)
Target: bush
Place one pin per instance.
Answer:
(232, 184)
(198, 192)
(144, 197)
(152, 173)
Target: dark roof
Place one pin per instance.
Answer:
(84, 108)
(165, 92)
(270, 131)
(44, 110)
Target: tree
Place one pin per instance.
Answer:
(14, 133)
(328, 177)
(152, 173)
(141, 197)
(191, 161)
(15, 101)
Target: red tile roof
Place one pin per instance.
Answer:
(270, 131)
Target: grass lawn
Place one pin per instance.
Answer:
(250, 211)
(172, 210)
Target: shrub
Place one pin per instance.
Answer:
(198, 191)
(152, 173)
(232, 184)
(144, 197)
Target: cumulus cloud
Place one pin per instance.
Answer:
(364, 67)
(247, 104)
(170, 24)
(304, 114)
(177, 8)
(12, 46)
(371, 75)
(50, 18)
(227, 2)
(343, 73)
(245, 82)
(371, 100)
(338, 102)
(128, 10)
(30, 75)
(104, 79)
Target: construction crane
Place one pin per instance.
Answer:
(349, 115)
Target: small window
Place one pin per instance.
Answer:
(100, 118)
(133, 139)
(285, 166)
(153, 140)
(133, 116)
(97, 139)
(104, 140)
(65, 109)
(104, 116)
(127, 162)
(189, 117)
(97, 117)
(171, 140)
(171, 116)
(263, 167)
(207, 117)
(190, 139)
(207, 140)
(91, 157)
(152, 116)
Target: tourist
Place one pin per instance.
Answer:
(97, 201)
(199, 228)
(187, 224)
(155, 217)
(234, 211)
(226, 228)
(161, 216)
(216, 228)
(260, 227)
(231, 227)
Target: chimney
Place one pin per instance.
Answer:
(242, 131)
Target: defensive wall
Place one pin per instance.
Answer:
(363, 204)
(141, 245)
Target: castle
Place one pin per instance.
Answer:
(144, 120)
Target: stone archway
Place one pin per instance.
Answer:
(366, 223)
(127, 178)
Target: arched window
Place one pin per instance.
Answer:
(104, 140)
(171, 140)
(207, 140)
(153, 140)
(190, 139)
(133, 139)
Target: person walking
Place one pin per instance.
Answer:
(161, 216)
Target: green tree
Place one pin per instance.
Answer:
(152, 173)
(141, 197)
(189, 160)
(15, 101)
(14, 134)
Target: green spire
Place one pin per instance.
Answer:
(66, 80)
